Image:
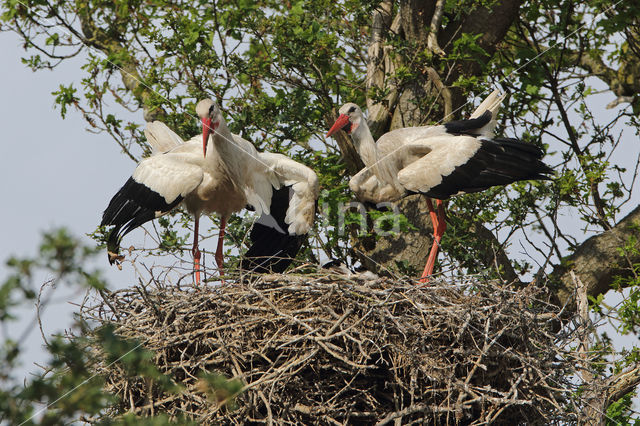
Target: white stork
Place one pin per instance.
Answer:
(439, 161)
(229, 176)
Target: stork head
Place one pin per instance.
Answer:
(348, 120)
(211, 117)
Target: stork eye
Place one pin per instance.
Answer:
(352, 109)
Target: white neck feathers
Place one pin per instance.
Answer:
(364, 143)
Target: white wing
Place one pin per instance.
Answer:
(390, 141)
(368, 185)
(161, 137)
(257, 180)
(170, 175)
(283, 170)
(446, 153)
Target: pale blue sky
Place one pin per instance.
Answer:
(53, 173)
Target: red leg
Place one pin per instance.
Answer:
(195, 251)
(432, 213)
(439, 226)
(219, 252)
(442, 218)
(428, 269)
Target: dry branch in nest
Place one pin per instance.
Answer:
(338, 350)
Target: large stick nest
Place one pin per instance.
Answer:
(338, 350)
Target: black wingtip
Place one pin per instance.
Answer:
(113, 247)
(133, 205)
(499, 161)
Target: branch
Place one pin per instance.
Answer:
(492, 23)
(98, 38)
(593, 185)
(621, 384)
(624, 82)
(443, 91)
(597, 260)
(494, 255)
(432, 38)
(619, 100)
(601, 393)
(554, 85)
(375, 66)
(380, 66)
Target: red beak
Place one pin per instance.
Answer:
(342, 121)
(207, 128)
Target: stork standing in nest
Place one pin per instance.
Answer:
(220, 173)
(438, 161)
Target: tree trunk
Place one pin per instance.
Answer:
(384, 253)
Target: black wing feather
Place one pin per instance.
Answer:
(273, 248)
(499, 161)
(134, 204)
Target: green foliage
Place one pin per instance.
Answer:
(467, 47)
(250, 56)
(69, 388)
(618, 412)
(65, 96)
(220, 390)
(389, 223)
(280, 68)
(629, 310)
(63, 257)
(61, 254)
(277, 68)
(626, 317)
(169, 239)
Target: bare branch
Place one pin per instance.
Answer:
(96, 37)
(432, 39)
(380, 67)
(443, 91)
(619, 100)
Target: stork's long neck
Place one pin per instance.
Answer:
(227, 151)
(221, 142)
(381, 166)
(365, 145)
